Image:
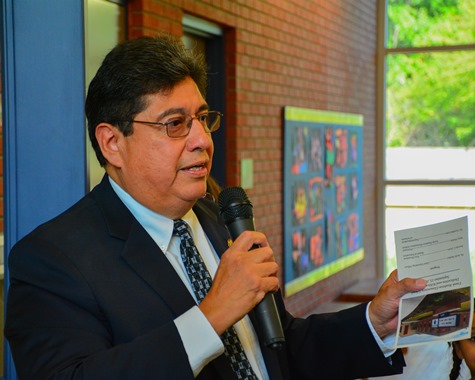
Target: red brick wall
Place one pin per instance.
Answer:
(316, 54)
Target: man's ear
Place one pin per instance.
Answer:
(108, 138)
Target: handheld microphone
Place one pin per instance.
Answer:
(236, 210)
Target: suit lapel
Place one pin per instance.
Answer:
(216, 232)
(141, 252)
(149, 262)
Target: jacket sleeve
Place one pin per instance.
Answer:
(57, 329)
(336, 346)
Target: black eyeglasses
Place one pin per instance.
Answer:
(180, 126)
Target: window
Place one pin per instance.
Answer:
(104, 18)
(427, 83)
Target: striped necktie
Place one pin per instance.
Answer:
(201, 282)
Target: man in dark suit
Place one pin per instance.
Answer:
(101, 291)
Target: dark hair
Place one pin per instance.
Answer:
(132, 70)
(455, 371)
(213, 188)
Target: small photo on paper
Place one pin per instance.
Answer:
(442, 316)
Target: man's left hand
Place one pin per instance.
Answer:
(383, 309)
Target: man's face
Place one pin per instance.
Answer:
(166, 174)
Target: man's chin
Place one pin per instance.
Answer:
(193, 197)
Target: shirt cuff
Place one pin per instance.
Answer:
(387, 344)
(201, 342)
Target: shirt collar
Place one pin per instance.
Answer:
(159, 227)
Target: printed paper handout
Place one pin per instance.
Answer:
(443, 311)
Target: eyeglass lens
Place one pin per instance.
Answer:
(209, 121)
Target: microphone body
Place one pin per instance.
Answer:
(236, 210)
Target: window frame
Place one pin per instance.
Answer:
(382, 183)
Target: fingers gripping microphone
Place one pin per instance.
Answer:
(236, 210)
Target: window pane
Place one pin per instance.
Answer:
(104, 24)
(431, 103)
(416, 23)
(414, 163)
(414, 206)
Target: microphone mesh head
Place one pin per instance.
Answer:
(234, 204)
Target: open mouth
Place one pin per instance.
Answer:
(195, 168)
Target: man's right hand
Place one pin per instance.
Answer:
(242, 280)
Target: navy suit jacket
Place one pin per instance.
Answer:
(93, 297)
